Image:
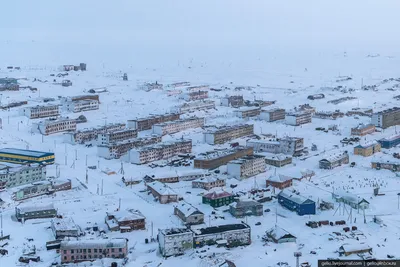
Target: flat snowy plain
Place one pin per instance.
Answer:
(290, 49)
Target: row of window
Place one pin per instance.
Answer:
(89, 250)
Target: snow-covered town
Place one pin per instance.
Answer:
(106, 162)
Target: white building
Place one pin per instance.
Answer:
(173, 242)
(195, 95)
(194, 106)
(64, 227)
(118, 149)
(246, 112)
(298, 118)
(151, 86)
(87, 135)
(177, 126)
(82, 105)
(40, 111)
(116, 136)
(287, 145)
(47, 127)
(162, 151)
(247, 166)
(273, 114)
(12, 175)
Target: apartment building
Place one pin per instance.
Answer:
(82, 105)
(329, 115)
(246, 167)
(175, 241)
(194, 106)
(208, 182)
(125, 220)
(195, 95)
(177, 126)
(275, 114)
(366, 112)
(196, 88)
(79, 97)
(12, 175)
(363, 129)
(293, 146)
(151, 86)
(147, 123)
(367, 149)
(247, 112)
(161, 151)
(88, 135)
(179, 84)
(298, 118)
(93, 249)
(334, 161)
(278, 160)
(216, 158)
(234, 101)
(390, 142)
(227, 133)
(116, 136)
(118, 149)
(48, 126)
(386, 118)
(41, 111)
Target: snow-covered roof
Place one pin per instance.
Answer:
(245, 159)
(363, 126)
(349, 197)
(219, 153)
(280, 178)
(336, 157)
(95, 243)
(161, 188)
(245, 204)
(25, 209)
(188, 209)
(126, 215)
(272, 156)
(277, 233)
(299, 199)
(29, 153)
(390, 138)
(215, 194)
(355, 247)
(64, 224)
(208, 179)
(367, 144)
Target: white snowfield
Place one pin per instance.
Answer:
(274, 50)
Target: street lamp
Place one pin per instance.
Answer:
(398, 200)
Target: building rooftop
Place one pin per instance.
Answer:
(367, 144)
(225, 129)
(216, 194)
(161, 188)
(155, 116)
(99, 128)
(218, 153)
(273, 110)
(25, 209)
(298, 113)
(390, 138)
(220, 229)
(277, 233)
(395, 109)
(208, 179)
(188, 209)
(279, 178)
(178, 121)
(299, 199)
(336, 157)
(279, 157)
(126, 215)
(245, 159)
(95, 243)
(131, 140)
(175, 231)
(354, 247)
(245, 204)
(362, 126)
(64, 224)
(162, 145)
(43, 106)
(349, 197)
(241, 109)
(24, 152)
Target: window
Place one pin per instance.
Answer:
(65, 257)
(72, 251)
(95, 250)
(89, 250)
(120, 249)
(72, 257)
(112, 250)
(84, 250)
(65, 252)
(84, 256)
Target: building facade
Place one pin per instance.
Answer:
(299, 204)
(89, 250)
(195, 95)
(41, 111)
(177, 126)
(363, 129)
(161, 151)
(279, 181)
(48, 127)
(21, 175)
(334, 161)
(147, 123)
(24, 156)
(293, 146)
(217, 158)
(82, 105)
(246, 208)
(234, 101)
(35, 212)
(208, 183)
(298, 118)
(247, 112)
(88, 135)
(194, 106)
(227, 133)
(162, 193)
(392, 166)
(386, 118)
(175, 241)
(367, 149)
(278, 160)
(116, 136)
(217, 198)
(79, 97)
(119, 149)
(246, 167)
(64, 227)
(189, 214)
(390, 142)
(125, 220)
(273, 114)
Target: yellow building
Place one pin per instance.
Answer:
(367, 149)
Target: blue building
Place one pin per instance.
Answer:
(22, 156)
(301, 205)
(390, 141)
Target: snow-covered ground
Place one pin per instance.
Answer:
(285, 51)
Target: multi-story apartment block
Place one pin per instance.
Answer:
(216, 158)
(195, 95)
(363, 129)
(176, 241)
(116, 136)
(329, 115)
(162, 151)
(198, 88)
(366, 112)
(177, 126)
(88, 135)
(151, 86)
(275, 114)
(287, 145)
(386, 118)
(179, 84)
(228, 133)
(334, 161)
(13, 175)
(79, 97)
(208, 182)
(90, 250)
(247, 166)
(82, 105)
(368, 149)
(298, 118)
(194, 106)
(118, 149)
(232, 101)
(147, 123)
(41, 111)
(247, 112)
(47, 127)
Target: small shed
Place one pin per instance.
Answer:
(279, 235)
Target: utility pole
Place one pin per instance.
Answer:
(1, 223)
(76, 154)
(119, 204)
(102, 180)
(151, 230)
(87, 177)
(98, 189)
(398, 200)
(65, 159)
(98, 164)
(86, 160)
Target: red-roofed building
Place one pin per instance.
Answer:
(217, 198)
